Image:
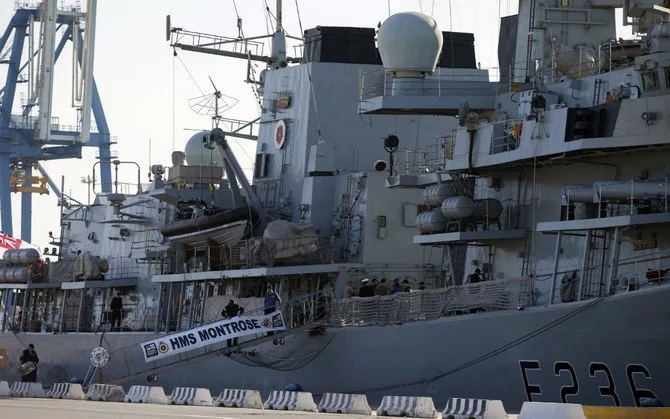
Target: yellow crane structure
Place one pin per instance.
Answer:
(19, 182)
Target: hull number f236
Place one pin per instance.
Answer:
(599, 374)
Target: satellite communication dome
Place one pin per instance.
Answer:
(198, 155)
(410, 44)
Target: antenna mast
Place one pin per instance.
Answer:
(278, 57)
(279, 16)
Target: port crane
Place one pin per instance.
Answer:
(30, 47)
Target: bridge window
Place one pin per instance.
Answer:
(650, 80)
(568, 212)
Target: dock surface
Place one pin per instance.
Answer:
(76, 409)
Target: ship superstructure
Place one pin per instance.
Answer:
(526, 215)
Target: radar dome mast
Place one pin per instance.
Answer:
(409, 44)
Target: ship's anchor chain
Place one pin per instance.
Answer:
(99, 357)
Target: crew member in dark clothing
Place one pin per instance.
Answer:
(475, 277)
(117, 312)
(29, 355)
(366, 290)
(396, 288)
(230, 311)
(271, 301)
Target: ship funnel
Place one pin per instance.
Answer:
(409, 45)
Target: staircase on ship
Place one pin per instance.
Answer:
(128, 363)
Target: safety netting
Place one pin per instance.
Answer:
(494, 295)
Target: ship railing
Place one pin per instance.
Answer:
(582, 62)
(617, 198)
(113, 154)
(578, 63)
(24, 4)
(494, 295)
(561, 66)
(378, 83)
(508, 141)
(648, 270)
(633, 273)
(182, 38)
(614, 53)
(299, 50)
(73, 6)
(122, 269)
(126, 188)
(259, 252)
(30, 122)
(517, 214)
(65, 270)
(428, 158)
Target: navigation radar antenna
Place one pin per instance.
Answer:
(212, 104)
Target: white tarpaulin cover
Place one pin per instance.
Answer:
(285, 239)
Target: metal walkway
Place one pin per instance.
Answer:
(127, 363)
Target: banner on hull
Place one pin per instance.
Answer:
(211, 333)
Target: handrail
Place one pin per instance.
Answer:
(301, 313)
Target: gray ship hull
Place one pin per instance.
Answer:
(599, 352)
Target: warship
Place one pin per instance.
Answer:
(521, 211)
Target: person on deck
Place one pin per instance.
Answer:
(29, 355)
(396, 286)
(382, 288)
(230, 311)
(366, 289)
(349, 290)
(117, 312)
(271, 301)
(475, 277)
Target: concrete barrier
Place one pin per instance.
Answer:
(4, 389)
(351, 404)
(290, 400)
(535, 410)
(474, 409)
(20, 389)
(248, 399)
(66, 391)
(191, 396)
(105, 393)
(416, 407)
(146, 394)
(607, 412)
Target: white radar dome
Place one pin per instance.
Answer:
(198, 155)
(409, 44)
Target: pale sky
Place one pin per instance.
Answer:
(134, 72)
